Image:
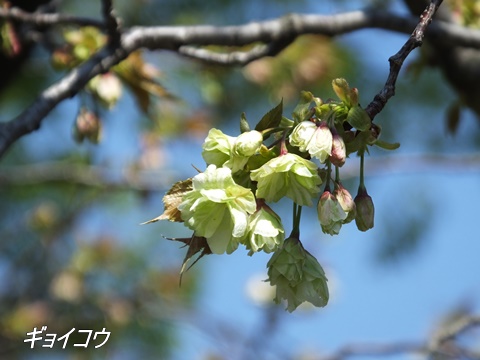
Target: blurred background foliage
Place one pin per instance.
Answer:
(71, 254)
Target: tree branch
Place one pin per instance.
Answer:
(239, 58)
(274, 34)
(437, 348)
(111, 22)
(30, 119)
(47, 19)
(396, 61)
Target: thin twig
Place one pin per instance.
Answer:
(46, 19)
(456, 329)
(111, 22)
(436, 348)
(238, 58)
(396, 61)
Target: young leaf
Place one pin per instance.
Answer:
(341, 88)
(302, 110)
(171, 200)
(244, 126)
(386, 145)
(358, 118)
(271, 119)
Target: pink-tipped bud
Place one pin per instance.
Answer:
(87, 125)
(346, 202)
(339, 150)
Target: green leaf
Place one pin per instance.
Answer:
(302, 110)
(386, 145)
(244, 126)
(358, 118)
(171, 200)
(271, 119)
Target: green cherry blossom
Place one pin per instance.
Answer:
(223, 150)
(297, 275)
(218, 209)
(315, 139)
(287, 175)
(265, 231)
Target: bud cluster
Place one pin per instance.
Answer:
(226, 205)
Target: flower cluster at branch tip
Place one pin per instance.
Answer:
(227, 204)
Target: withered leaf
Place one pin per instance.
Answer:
(196, 244)
(142, 78)
(171, 200)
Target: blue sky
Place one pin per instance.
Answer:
(370, 302)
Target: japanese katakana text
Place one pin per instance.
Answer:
(49, 340)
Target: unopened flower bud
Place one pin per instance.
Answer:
(248, 143)
(365, 210)
(339, 150)
(330, 213)
(87, 125)
(346, 202)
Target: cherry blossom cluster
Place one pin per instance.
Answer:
(228, 204)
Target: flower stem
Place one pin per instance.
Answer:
(297, 214)
(329, 176)
(362, 163)
(283, 144)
